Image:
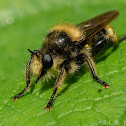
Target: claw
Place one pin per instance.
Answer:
(47, 108)
(15, 99)
(107, 86)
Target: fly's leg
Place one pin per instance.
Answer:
(91, 66)
(59, 81)
(27, 81)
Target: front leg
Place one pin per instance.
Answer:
(59, 81)
(43, 72)
(27, 81)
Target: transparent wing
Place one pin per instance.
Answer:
(94, 25)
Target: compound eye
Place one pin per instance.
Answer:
(47, 61)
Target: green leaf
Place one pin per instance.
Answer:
(23, 25)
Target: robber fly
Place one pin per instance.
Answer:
(67, 47)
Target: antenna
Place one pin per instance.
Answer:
(30, 51)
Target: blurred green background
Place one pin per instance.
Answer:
(23, 25)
